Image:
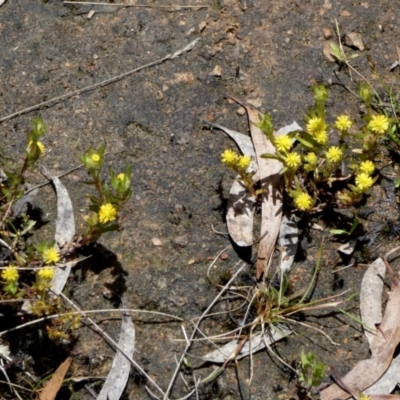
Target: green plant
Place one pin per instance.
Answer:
(310, 374)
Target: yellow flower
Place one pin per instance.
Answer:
(321, 137)
(107, 213)
(121, 177)
(10, 274)
(95, 157)
(283, 143)
(343, 123)
(39, 145)
(334, 154)
(229, 157)
(303, 202)
(293, 160)
(364, 181)
(46, 274)
(51, 255)
(368, 167)
(379, 124)
(315, 125)
(311, 158)
(244, 162)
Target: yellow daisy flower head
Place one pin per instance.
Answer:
(39, 145)
(95, 157)
(51, 255)
(321, 137)
(293, 160)
(10, 274)
(379, 124)
(229, 157)
(244, 161)
(334, 154)
(315, 125)
(311, 158)
(46, 274)
(283, 143)
(303, 201)
(368, 167)
(107, 213)
(364, 181)
(343, 123)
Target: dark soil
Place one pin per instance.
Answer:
(269, 54)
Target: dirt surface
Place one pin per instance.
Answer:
(265, 52)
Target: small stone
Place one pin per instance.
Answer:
(217, 71)
(327, 33)
(224, 256)
(181, 241)
(240, 111)
(156, 241)
(202, 26)
(345, 13)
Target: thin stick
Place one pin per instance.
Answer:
(109, 339)
(174, 6)
(55, 100)
(119, 310)
(187, 348)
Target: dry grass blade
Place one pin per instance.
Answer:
(53, 385)
(271, 182)
(174, 7)
(119, 373)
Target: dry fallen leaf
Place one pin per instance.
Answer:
(271, 182)
(387, 337)
(118, 376)
(255, 343)
(288, 241)
(354, 39)
(52, 387)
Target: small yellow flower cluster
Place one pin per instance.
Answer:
(39, 145)
(51, 255)
(334, 154)
(10, 274)
(232, 159)
(316, 127)
(343, 123)
(107, 213)
(378, 124)
(368, 167)
(364, 181)
(292, 160)
(311, 158)
(121, 177)
(283, 143)
(95, 157)
(363, 178)
(303, 201)
(46, 274)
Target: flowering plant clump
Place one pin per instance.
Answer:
(110, 198)
(312, 159)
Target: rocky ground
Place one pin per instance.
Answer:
(267, 53)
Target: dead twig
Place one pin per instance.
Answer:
(174, 7)
(114, 79)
